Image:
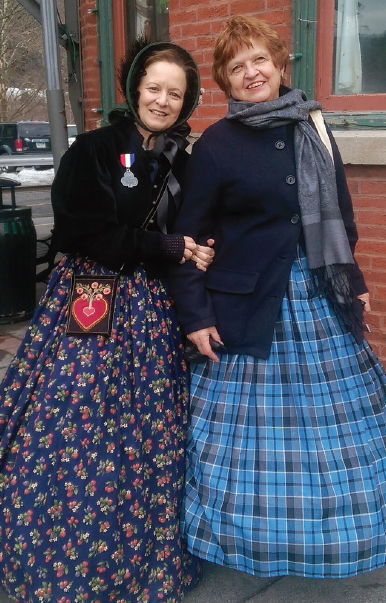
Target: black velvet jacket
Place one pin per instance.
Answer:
(241, 189)
(96, 215)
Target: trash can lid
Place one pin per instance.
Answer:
(9, 183)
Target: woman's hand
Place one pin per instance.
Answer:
(200, 254)
(201, 340)
(365, 300)
(190, 247)
(203, 256)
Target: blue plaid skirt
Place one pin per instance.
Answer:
(286, 456)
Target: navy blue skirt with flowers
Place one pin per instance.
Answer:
(92, 452)
(286, 468)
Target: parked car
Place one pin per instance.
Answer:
(24, 137)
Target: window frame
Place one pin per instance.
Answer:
(130, 25)
(312, 69)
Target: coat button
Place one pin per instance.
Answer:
(295, 219)
(290, 180)
(280, 144)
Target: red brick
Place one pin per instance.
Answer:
(377, 305)
(376, 247)
(367, 172)
(370, 216)
(379, 292)
(216, 27)
(197, 55)
(207, 83)
(378, 262)
(353, 186)
(273, 4)
(206, 71)
(182, 16)
(378, 347)
(373, 188)
(247, 6)
(365, 261)
(189, 3)
(189, 44)
(175, 32)
(375, 278)
(218, 97)
(207, 13)
(204, 42)
(362, 202)
(373, 233)
(195, 29)
(376, 322)
(205, 111)
(207, 55)
(278, 17)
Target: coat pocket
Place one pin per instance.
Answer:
(232, 293)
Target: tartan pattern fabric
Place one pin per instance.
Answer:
(286, 456)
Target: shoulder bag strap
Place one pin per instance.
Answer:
(317, 118)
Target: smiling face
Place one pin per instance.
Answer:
(252, 74)
(161, 96)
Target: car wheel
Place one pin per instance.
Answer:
(5, 150)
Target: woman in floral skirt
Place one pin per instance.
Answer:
(92, 425)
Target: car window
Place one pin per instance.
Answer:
(34, 130)
(9, 130)
(71, 131)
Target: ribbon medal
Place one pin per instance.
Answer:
(128, 179)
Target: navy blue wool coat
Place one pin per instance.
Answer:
(240, 188)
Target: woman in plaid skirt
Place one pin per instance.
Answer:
(286, 450)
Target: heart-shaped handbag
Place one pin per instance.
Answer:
(91, 304)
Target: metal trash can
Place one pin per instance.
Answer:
(17, 258)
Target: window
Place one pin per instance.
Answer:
(149, 17)
(351, 55)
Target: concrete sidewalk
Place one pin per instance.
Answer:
(221, 585)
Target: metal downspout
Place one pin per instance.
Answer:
(55, 95)
(106, 57)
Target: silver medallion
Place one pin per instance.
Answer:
(128, 179)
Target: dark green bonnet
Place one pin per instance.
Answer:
(137, 71)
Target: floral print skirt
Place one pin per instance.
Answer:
(92, 445)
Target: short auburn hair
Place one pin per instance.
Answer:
(239, 31)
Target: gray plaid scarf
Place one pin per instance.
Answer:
(327, 248)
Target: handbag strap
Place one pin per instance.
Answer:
(317, 118)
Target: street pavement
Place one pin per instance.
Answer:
(219, 584)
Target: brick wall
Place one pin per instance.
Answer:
(195, 23)
(90, 65)
(368, 189)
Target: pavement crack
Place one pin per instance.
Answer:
(263, 589)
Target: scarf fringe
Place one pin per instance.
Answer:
(334, 283)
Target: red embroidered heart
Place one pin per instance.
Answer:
(88, 316)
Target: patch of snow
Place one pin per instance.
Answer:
(31, 177)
